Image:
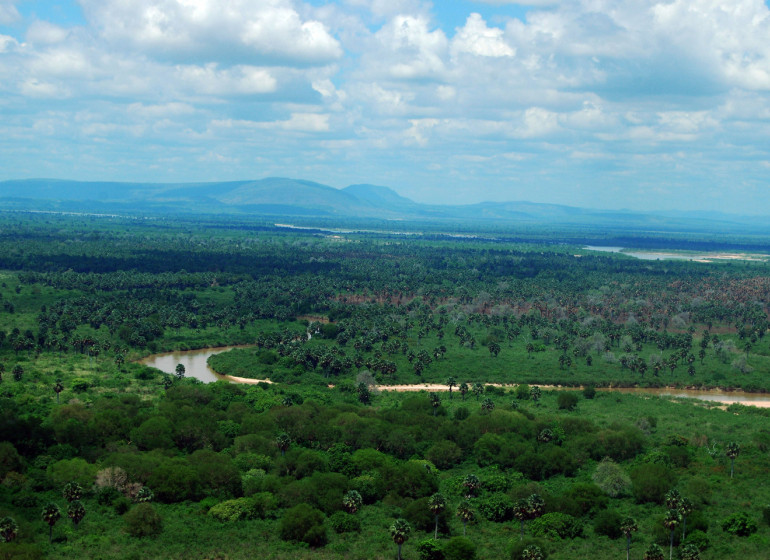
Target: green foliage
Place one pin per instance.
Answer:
(517, 547)
(739, 524)
(567, 400)
(72, 470)
(143, 521)
(459, 548)
(342, 522)
(430, 549)
(444, 454)
(651, 481)
(497, 507)
(303, 523)
(259, 506)
(557, 524)
(608, 523)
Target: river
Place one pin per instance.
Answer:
(196, 365)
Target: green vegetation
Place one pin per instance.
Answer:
(147, 464)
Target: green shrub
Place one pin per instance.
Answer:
(459, 548)
(258, 506)
(611, 478)
(651, 481)
(557, 525)
(567, 400)
(303, 523)
(498, 507)
(699, 539)
(343, 522)
(588, 498)
(143, 521)
(607, 523)
(444, 454)
(522, 392)
(516, 547)
(589, 392)
(739, 524)
(121, 505)
(430, 549)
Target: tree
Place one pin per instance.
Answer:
(472, 485)
(494, 349)
(145, 495)
(180, 371)
(532, 552)
(51, 514)
(487, 405)
(283, 441)
(535, 393)
(9, 529)
(436, 504)
(733, 450)
(690, 552)
(671, 522)
(17, 372)
(352, 501)
(399, 532)
(120, 360)
(463, 388)
(72, 491)
(142, 521)
(76, 511)
(628, 526)
(465, 513)
(364, 394)
(478, 388)
(451, 382)
(435, 402)
(653, 552)
(58, 388)
(685, 509)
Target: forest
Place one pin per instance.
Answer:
(527, 455)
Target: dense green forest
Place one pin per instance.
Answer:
(103, 457)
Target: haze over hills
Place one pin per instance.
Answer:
(275, 196)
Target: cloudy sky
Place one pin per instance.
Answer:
(635, 104)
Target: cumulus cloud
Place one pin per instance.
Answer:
(256, 31)
(478, 39)
(8, 12)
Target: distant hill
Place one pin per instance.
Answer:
(278, 196)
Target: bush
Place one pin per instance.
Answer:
(429, 549)
(419, 516)
(498, 507)
(303, 523)
(651, 482)
(739, 524)
(589, 392)
(121, 505)
(143, 521)
(567, 400)
(522, 392)
(699, 539)
(607, 523)
(459, 548)
(516, 548)
(444, 454)
(343, 522)
(588, 498)
(766, 514)
(611, 478)
(557, 525)
(257, 507)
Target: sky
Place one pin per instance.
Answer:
(637, 104)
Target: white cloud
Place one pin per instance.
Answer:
(254, 31)
(406, 49)
(8, 12)
(478, 39)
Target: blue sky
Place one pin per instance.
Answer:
(636, 104)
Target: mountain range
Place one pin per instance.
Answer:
(284, 197)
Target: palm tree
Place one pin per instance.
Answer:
(673, 499)
(627, 527)
(451, 382)
(436, 504)
(671, 522)
(487, 405)
(472, 484)
(654, 552)
(435, 402)
(690, 552)
(76, 512)
(8, 529)
(18, 372)
(478, 388)
(465, 513)
(352, 501)
(51, 514)
(463, 388)
(532, 552)
(58, 388)
(535, 393)
(399, 532)
(283, 441)
(145, 495)
(733, 450)
(72, 491)
(685, 509)
(521, 512)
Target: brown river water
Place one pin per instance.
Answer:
(196, 365)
